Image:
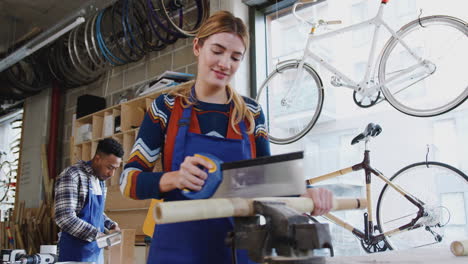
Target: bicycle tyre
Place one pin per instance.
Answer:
(152, 41)
(433, 183)
(175, 15)
(263, 97)
(81, 54)
(158, 25)
(136, 25)
(97, 55)
(420, 100)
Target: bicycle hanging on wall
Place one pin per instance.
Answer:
(412, 79)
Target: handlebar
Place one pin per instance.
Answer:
(332, 22)
(313, 24)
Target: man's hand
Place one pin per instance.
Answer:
(115, 227)
(323, 200)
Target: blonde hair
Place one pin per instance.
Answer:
(222, 21)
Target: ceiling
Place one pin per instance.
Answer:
(18, 17)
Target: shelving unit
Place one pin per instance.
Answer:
(130, 214)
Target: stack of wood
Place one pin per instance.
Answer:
(28, 228)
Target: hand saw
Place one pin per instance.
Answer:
(278, 175)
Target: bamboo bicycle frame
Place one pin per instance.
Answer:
(367, 235)
(364, 86)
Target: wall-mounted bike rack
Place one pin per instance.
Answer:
(53, 33)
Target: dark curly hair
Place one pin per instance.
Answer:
(110, 146)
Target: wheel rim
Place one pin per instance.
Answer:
(438, 187)
(289, 121)
(441, 40)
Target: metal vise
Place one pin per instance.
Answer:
(286, 237)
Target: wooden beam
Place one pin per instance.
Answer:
(123, 253)
(18, 171)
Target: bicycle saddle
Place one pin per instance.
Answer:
(372, 130)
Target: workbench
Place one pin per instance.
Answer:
(438, 255)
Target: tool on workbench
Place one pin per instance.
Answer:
(278, 175)
(109, 240)
(19, 256)
(287, 236)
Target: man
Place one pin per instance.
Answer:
(80, 193)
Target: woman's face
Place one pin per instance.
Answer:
(219, 58)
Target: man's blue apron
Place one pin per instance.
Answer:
(74, 249)
(198, 242)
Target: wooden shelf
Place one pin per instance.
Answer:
(130, 214)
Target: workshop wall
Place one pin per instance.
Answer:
(121, 82)
(117, 82)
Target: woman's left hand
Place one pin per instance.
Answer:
(323, 200)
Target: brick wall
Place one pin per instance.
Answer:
(124, 80)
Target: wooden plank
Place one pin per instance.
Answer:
(127, 246)
(18, 171)
(98, 121)
(2, 235)
(124, 253)
(45, 174)
(116, 201)
(19, 236)
(113, 256)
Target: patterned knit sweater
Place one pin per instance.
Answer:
(138, 181)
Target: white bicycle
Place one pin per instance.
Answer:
(419, 71)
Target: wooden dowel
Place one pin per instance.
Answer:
(459, 248)
(19, 237)
(182, 211)
(2, 235)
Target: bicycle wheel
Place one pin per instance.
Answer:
(289, 115)
(5, 179)
(443, 190)
(184, 17)
(440, 83)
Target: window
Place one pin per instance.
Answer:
(455, 202)
(10, 134)
(405, 8)
(404, 138)
(350, 155)
(359, 14)
(446, 141)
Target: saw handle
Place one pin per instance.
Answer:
(182, 211)
(215, 177)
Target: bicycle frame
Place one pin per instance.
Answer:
(367, 234)
(363, 86)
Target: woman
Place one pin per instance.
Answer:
(206, 115)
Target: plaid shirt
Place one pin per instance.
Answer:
(71, 190)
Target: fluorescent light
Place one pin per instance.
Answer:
(26, 50)
(78, 21)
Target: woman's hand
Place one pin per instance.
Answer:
(323, 200)
(189, 176)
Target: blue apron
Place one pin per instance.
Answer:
(74, 249)
(198, 242)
